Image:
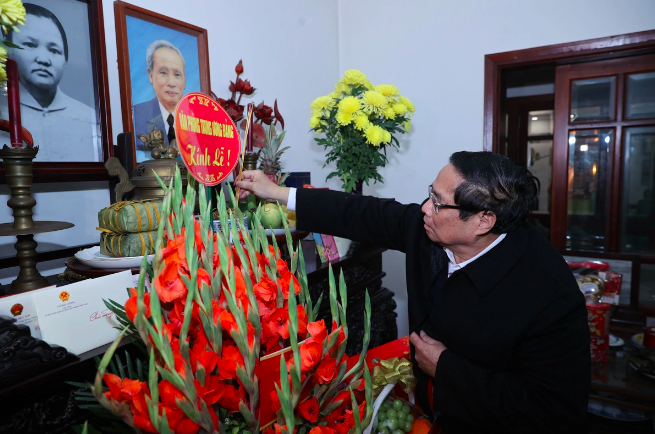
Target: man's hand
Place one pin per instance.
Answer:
(256, 182)
(427, 353)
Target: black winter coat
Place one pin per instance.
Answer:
(514, 321)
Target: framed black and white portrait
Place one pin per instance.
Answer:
(63, 87)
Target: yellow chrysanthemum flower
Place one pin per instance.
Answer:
(341, 88)
(334, 95)
(12, 11)
(408, 104)
(344, 118)
(355, 77)
(374, 135)
(400, 109)
(387, 90)
(374, 101)
(361, 121)
(389, 113)
(314, 122)
(3, 61)
(349, 104)
(321, 103)
(387, 137)
(407, 125)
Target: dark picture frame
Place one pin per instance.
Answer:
(123, 10)
(81, 170)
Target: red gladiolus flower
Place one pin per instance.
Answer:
(168, 393)
(285, 281)
(130, 389)
(231, 398)
(169, 285)
(282, 266)
(310, 354)
(278, 429)
(320, 429)
(317, 330)
(266, 290)
(309, 409)
(114, 382)
(279, 322)
(326, 371)
(269, 431)
(131, 304)
(174, 250)
(227, 321)
(302, 321)
(142, 420)
(200, 355)
(239, 68)
(211, 391)
(231, 352)
(203, 276)
(186, 426)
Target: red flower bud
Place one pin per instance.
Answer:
(239, 68)
(232, 87)
(278, 116)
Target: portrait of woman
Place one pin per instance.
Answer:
(56, 89)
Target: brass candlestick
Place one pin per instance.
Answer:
(18, 169)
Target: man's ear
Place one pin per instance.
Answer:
(487, 220)
(150, 75)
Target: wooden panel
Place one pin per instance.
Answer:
(559, 198)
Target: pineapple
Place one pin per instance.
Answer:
(269, 157)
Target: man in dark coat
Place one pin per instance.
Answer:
(496, 318)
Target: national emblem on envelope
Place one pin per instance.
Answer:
(16, 309)
(64, 296)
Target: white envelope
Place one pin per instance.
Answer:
(75, 317)
(21, 308)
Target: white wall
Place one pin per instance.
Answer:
(434, 51)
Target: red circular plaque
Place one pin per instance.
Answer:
(208, 139)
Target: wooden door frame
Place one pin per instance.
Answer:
(560, 54)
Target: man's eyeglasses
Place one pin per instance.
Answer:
(438, 205)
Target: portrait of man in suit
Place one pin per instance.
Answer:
(167, 75)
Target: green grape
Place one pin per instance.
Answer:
(397, 405)
(410, 418)
(392, 423)
(398, 431)
(407, 426)
(391, 413)
(401, 416)
(385, 430)
(386, 406)
(382, 415)
(406, 409)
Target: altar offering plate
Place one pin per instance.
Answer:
(93, 258)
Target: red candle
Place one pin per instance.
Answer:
(13, 99)
(249, 109)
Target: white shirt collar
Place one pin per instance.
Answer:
(59, 102)
(454, 266)
(164, 116)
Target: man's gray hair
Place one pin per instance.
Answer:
(150, 52)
